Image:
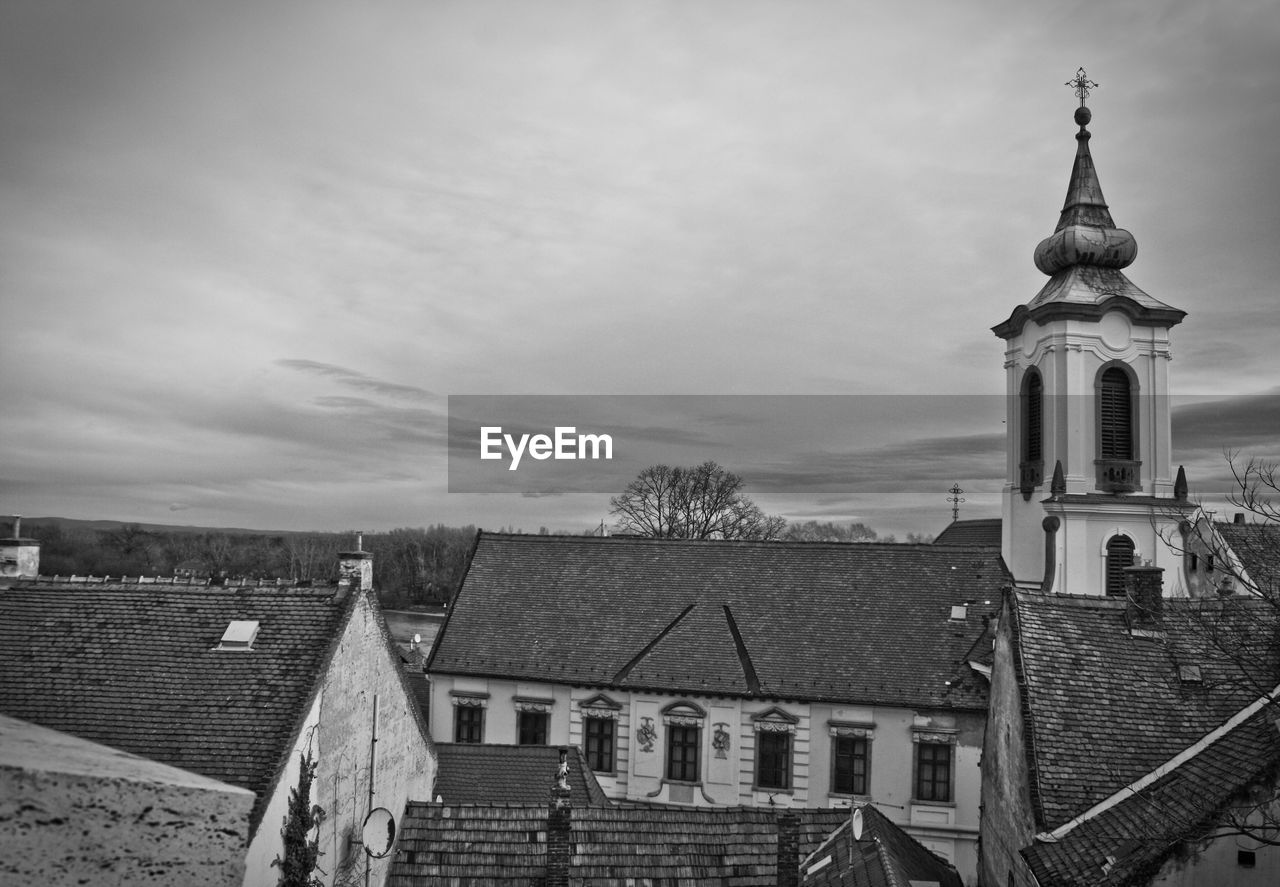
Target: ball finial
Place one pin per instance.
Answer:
(1083, 115)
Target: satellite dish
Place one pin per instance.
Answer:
(857, 824)
(379, 832)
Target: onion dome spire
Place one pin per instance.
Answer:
(1086, 234)
(1084, 255)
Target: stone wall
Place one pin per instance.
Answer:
(74, 812)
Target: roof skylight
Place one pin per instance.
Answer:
(240, 635)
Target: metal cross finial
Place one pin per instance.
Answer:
(1082, 84)
(955, 499)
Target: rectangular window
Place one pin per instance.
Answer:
(599, 741)
(850, 773)
(933, 771)
(773, 760)
(531, 727)
(468, 724)
(683, 748)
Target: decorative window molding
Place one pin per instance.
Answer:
(855, 731)
(469, 700)
(683, 714)
(775, 720)
(525, 703)
(600, 706)
(940, 737)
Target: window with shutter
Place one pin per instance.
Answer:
(1119, 556)
(1034, 418)
(1115, 415)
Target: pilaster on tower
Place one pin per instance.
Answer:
(1087, 390)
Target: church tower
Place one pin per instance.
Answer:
(1088, 488)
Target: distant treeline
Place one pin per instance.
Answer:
(410, 565)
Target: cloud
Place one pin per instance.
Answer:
(355, 379)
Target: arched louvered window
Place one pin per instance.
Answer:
(1031, 465)
(1115, 415)
(1033, 417)
(1119, 556)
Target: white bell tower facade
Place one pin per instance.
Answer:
(1089, 486)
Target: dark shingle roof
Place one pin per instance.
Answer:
(885, 856)
(136, 668)
(1144, 829)
(1257, 545)
(482, 846)
(510, 774)
(981, 531)
(1105, 708)
(819, 621)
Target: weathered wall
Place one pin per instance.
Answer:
(1008, 820)
(1220, 865)
(364, 686)
(267, 844)
(74, 812)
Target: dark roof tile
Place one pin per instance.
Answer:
(819, 621)
(137, 668)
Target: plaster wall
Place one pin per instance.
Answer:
(363, 697)
(267, 844)
(1007, 821)
(1219, 864)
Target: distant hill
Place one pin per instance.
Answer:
(68, 523)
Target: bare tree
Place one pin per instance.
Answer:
(829, 531)
(704, 502)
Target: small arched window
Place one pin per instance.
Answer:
(1119, 555)
(1115, 415)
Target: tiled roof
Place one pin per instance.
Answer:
(863, 622)
(137, 668)
(509, 774)
(1104, 708)
(1141, 832)
(885, 856)
(482, 846)
(980, 531)
(1257, 545)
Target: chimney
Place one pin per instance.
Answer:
(19, 558)
(1239, 519)
(355, 568)
(1145, 585)
(559, 822)
(788, 850)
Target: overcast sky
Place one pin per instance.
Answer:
(247, 250)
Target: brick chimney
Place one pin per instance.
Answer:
(19, 557)
(355, 568)
(559, 822)
(788, 850)
(1145, 591)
